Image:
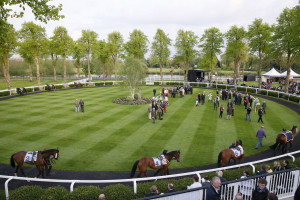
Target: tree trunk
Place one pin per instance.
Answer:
(140, 94)
(36, 58)
(287, 80)
(161, 74)
(30, 73)
(259, 71)
(6, 71)
(237, 65)
(78, 70)
(132, 90)
(65, 71)
(211, 67)
(54, 66)
(89, 68)
(116, 66)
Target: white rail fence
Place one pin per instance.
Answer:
(135, 180)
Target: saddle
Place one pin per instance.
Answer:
(238, 151)
(289, 136)
(31, 156)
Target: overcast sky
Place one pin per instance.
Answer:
(106, 16)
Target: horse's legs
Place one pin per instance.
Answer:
(146, 174)
(140, 174)
(168, 171)
(16, 172)
(157, 172)
(48, 170)
(22, 170)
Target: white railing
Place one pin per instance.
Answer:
(135, 180)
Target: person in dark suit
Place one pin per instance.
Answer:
(171, 188)
(261, 192)
(153, 192)
(154, 92)
(212, 192)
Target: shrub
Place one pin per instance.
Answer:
(251, 90)
(99, 84)
(29, 89)
(295, 99)
(241, 89)
(156, 83)
(26, 193)
(84, 193)
(4, 93)
(263, 92)
(221, 86)
(118, 192)
(36, 89)
(54, 193)
(72, 85)
(108, 83)
(59, 86)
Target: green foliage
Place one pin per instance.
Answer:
(251, 90)
(84, 193)
(4, 93)
(26, 193)
(99, 84)
(115, 48)
(137, 44)
(158, 83)
(263, 92)
(118, 192)
(221, 86)
(54, 193)
(109, 83)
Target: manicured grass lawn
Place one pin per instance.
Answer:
(111, 137)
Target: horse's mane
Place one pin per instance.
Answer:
(240, 142)
(172, 153)
(50, 150)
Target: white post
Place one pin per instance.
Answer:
(134, 187)
(6, 188)
(72, 186)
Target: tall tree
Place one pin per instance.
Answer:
(42, 10)
(78, 54)
(116, 47)
(236, 48)
(63, 45)
(137, 44)
(34, 37)
(132, 73)
(7, 45)
(259, 35)
(88, 41)
(286, 36)
(185, 48)
(212, 42)
(28, 55)
(160, 49)
(104, 56)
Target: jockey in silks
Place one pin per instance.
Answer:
(163, 158)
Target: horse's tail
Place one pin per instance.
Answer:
(12, 162)
(276, 144)
(219, 159)
(134, 168)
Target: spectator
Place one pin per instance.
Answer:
(260, 114)
(216, 103)
(197, 100)
(297, 194)
(277, 166)
(261, 192)
(246, 186)
(81, 103)
(154, 191)
(286, 165)
(101, 197)
(229, 109)
(220, 175)
(76, 105)
(268, 169)
(256, 104)
(238, 196)
(209, 97)
(154, 92)
(196, 183)
(205, 182)
(264, 105)
(272, 196)
(149, 111)
(248, 114)
(221, 111)
(263, 170)
(212, 192)
(260, 135)
(171, 188)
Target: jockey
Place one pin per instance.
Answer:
(232, 146)
(283, 130)
(163, 158)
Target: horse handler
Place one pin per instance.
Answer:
(260, 135)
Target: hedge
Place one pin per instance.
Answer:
(54, 193)
(84, 193)
(4, 93)
(27, 193)
(99, 84)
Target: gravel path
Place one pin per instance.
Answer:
(68, 175)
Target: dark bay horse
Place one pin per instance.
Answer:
(146, 162)
(236, 153)
(43, 160)
(283, 139)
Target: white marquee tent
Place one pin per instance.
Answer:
(272, 73)
(292, 74)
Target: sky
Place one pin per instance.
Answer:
(106, 16)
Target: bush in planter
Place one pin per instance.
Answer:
(251, 90)
(221, 86)
(118, 192)
(54, 193)
(26, 193)
(241, 89)
(84, 193)
(108, 83)
(99, 84)
(263, 92)
(5, 93)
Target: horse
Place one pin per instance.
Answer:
(283, 139)
(236, 153)
(146, 162)
(43, 160)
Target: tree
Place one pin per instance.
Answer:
(137, 44)
(286, 36)
(104, 56)
(63, 45)
(78, 54)
(7, 45)
(41, 9)
(185, 48)
(132, 73)
(236, 48)
(212, 42)
(34, 37)
(28, 55)
(205, 61)
(160, 49)
(88, 41)
(259, 35)
(116, 47)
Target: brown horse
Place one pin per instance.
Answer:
(236, 153)
(283, 139)
(146, 162)
(43, 160)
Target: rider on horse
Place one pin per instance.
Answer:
(163, 158)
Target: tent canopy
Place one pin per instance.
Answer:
(292, 74)
(272, 73)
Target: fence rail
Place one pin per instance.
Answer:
(135, 180)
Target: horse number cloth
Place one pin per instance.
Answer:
(160, 160)
(238, 151)
(288, 135)
(31, 156)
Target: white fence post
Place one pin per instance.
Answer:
(6, 188)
